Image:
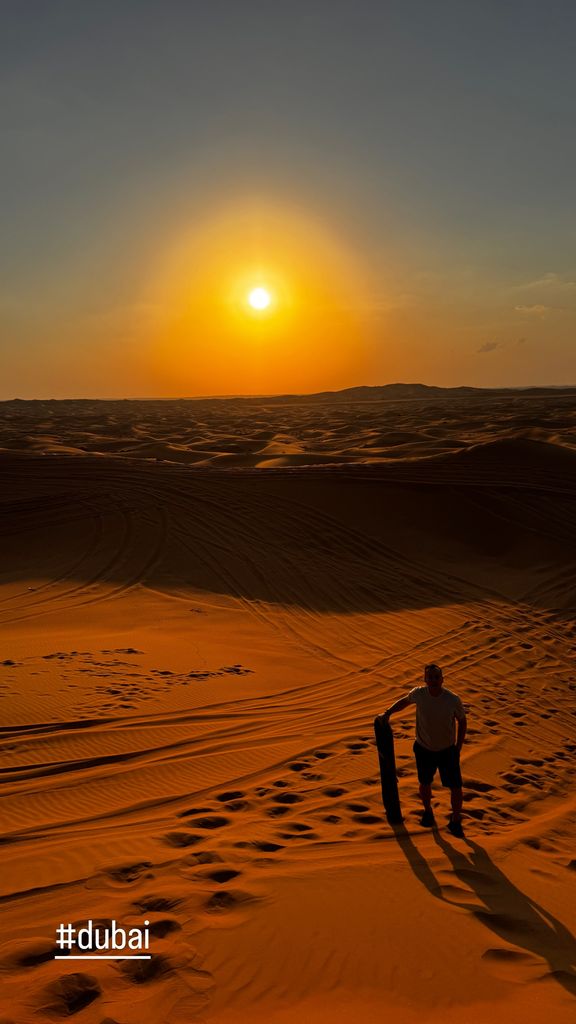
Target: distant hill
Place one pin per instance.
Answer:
(402, 393)
(385, 392)
(380, 393)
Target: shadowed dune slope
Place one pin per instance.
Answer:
(499, 517)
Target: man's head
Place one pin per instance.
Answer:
(433, 678)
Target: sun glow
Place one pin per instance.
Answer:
(255, 299)
(259, 298)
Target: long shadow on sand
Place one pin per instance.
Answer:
(506, 910)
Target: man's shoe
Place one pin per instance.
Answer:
(428, 820)
(455, 828)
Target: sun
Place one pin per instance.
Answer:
(259, 298)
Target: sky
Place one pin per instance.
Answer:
(397, 174)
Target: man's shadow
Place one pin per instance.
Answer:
(506, 910)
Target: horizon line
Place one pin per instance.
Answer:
(297, 394)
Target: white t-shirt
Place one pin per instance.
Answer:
(436, 717)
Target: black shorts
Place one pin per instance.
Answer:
(447, 761)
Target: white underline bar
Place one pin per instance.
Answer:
(87, 957)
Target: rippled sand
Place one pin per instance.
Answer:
(202, 607)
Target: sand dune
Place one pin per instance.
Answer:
(369, 425)
(201, 610)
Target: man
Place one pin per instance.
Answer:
(437, 744)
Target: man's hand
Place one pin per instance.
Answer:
(398, 706)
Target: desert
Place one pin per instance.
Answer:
(203, 605)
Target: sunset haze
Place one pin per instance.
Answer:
(403, 171)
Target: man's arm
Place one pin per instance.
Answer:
(398, 706)
(461, 735)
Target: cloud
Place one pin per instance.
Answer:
(562, 282)
(489, 346)
(536, 310)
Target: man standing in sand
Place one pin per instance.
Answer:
(437, 746)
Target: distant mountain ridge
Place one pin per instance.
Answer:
(362, 393)
(381, 392)
(399, 392)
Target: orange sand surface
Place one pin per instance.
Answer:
(202, 607)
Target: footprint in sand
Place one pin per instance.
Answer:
(228, 900)
(192, 811)
(210, 821)
(201, 857)
(303, 832)
(165, 926)
(69, 994)
(181, 839)
(156, 904)
(514, 779)
(221, 875)
(481, 787)
(125, 874)
(259, 844)
(532, 842)
(510, 964)
(141, 971)
(287, 798)
(334, 791)
(29, 953)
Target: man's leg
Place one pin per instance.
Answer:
(426, 771)
(426, 795)
(456, 801)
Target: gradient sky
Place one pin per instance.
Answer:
(402, 171)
